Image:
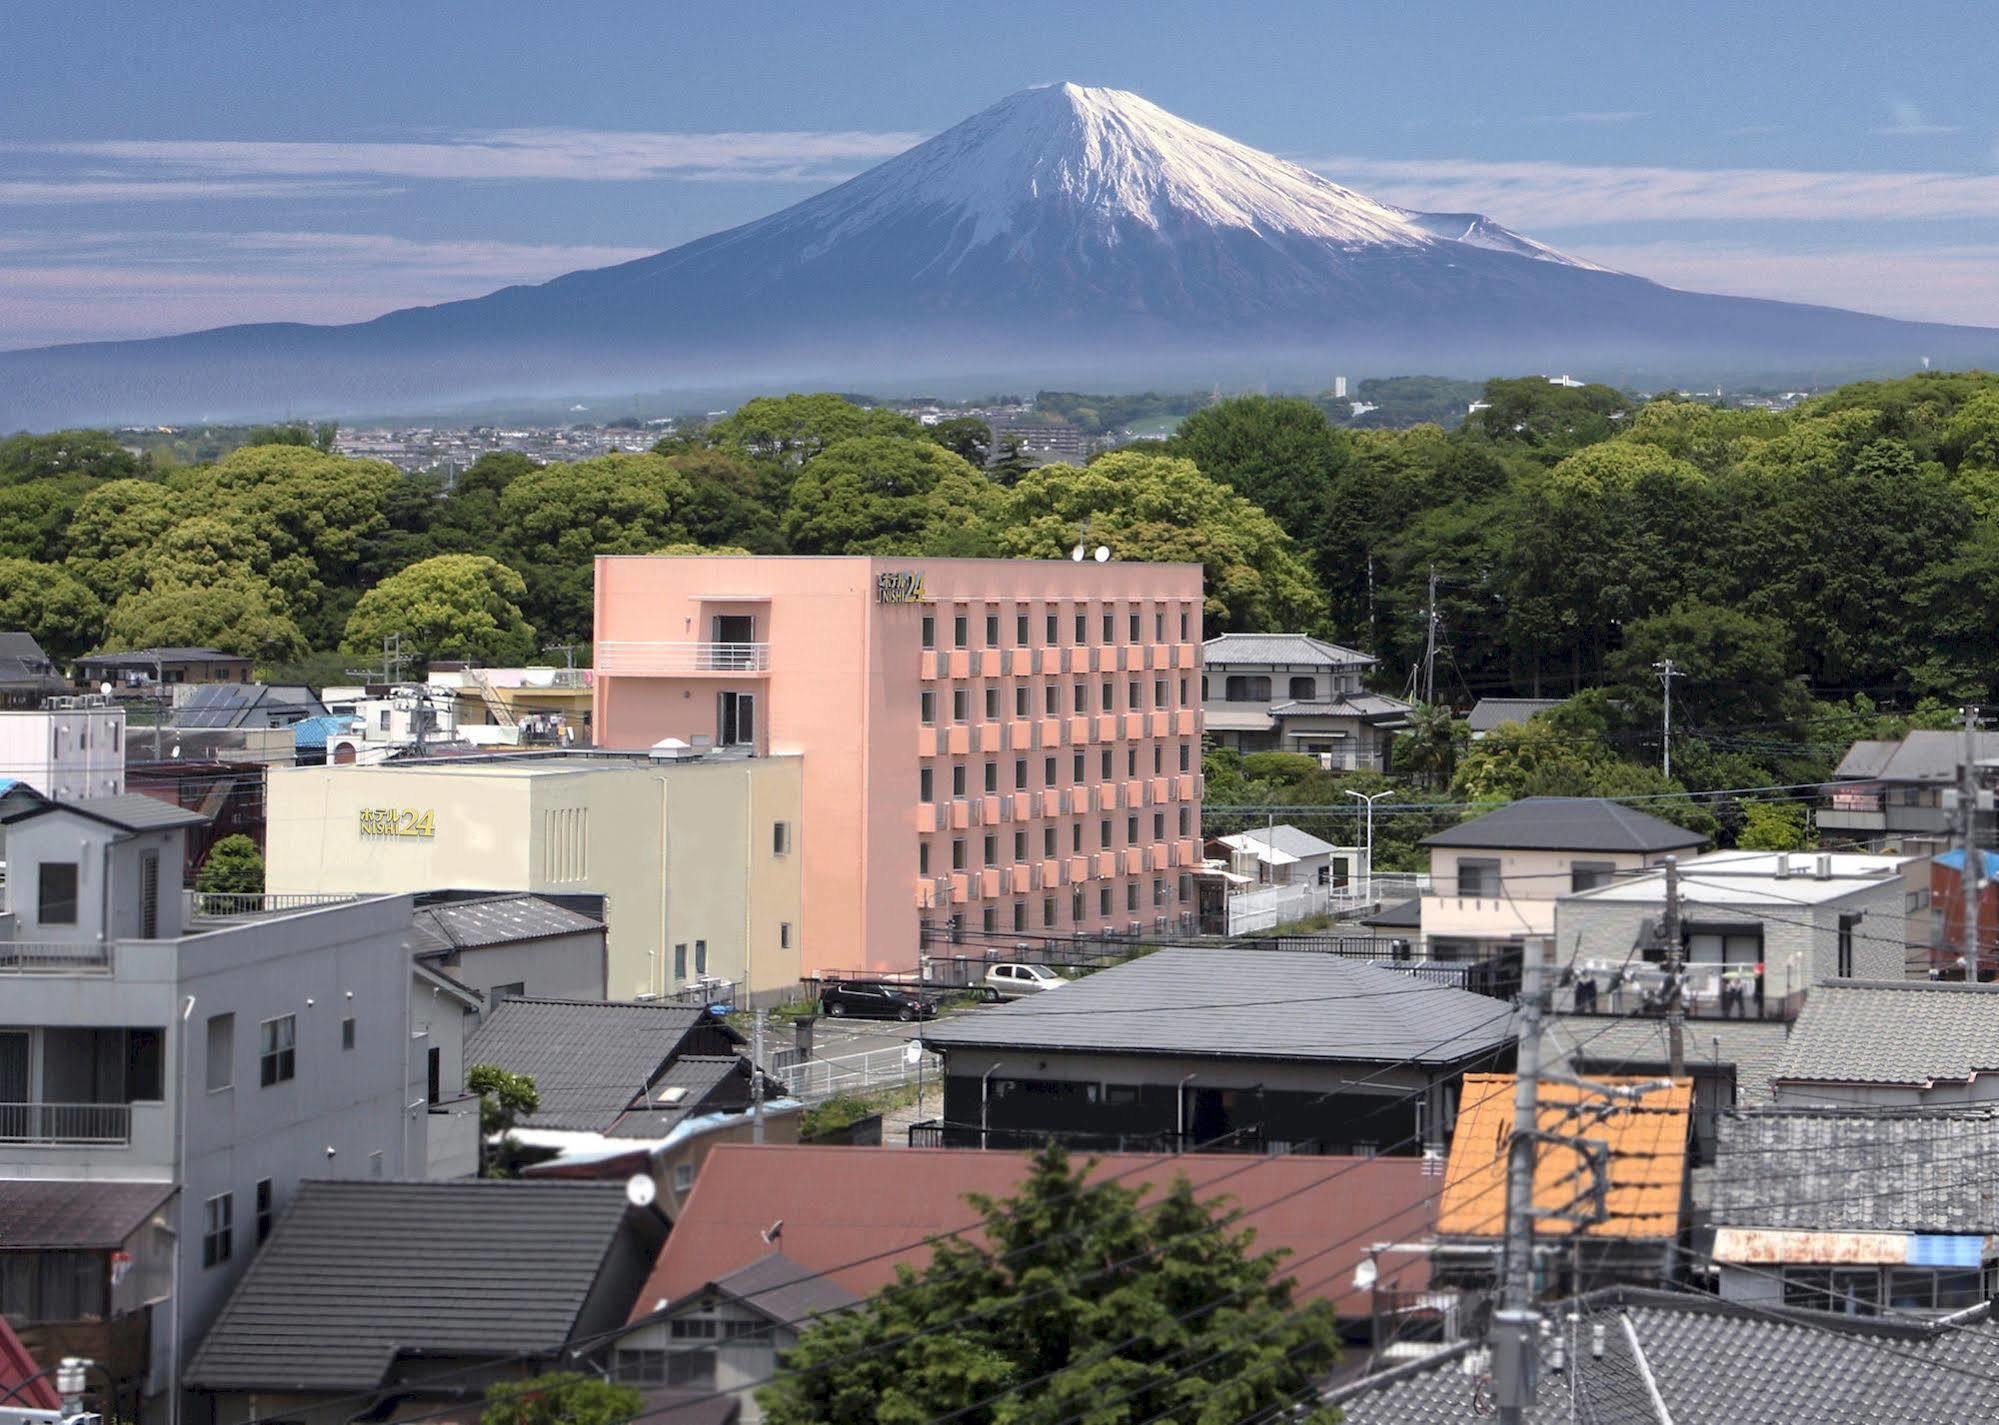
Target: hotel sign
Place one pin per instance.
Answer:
(398, 821)
(905, 587)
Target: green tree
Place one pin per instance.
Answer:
(233, 866)
(1278, 452)
(1772, 826)
(561, 1398)
(1161, 507)
(237, 615)
(562, 516)
(312, 436)
(112, 531)
(34, 515)
(464, 606)
(505, 1098)
(1736, 666)
(1428, 752)
(880, 495)
(95, 454)
(967, 437)
(49, 602)
(1075, 1303)
(789, 430)
(727, 502)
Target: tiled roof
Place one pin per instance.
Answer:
(495, 920)
(1488, 713)
(859, 1214)
(1345, 705)
(1716, 1363)
(1892, 1032)
(785, 1290)
(359, 1272)
(1833, 1171)
(1235, 1004)
(1921, 756)
(1397, 915)
(55, 1212)
(1566, 824)
(1751, 1047)
(1296, 649)
(1646, 1138)
(589, 1060)
(129, 811)
(166, 655)
(689, 1086)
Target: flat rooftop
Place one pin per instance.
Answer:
(1758, 878)
(555, 764)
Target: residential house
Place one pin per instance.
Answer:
(1489, 714)
(1224, 1050)
(244, 705)
(66, 748)
(855, 1217)
(1945, 921)
(1494, 880)
(1287, 692)
(525, 706)
(141, 1042)
(514, 945)
(1892, 1044)
(1270, 876)
(1286, 856)
(377, 1298)
(27, 675)
(141, 670)
(1897, 788)
(1630, 1354)
(1859, 1212)
(1610, 1176)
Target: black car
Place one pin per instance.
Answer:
(865, 1000)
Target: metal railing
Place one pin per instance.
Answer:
(55, 1124)
(226, 905)
(812, 1080)
(35, 957)
(616, 656)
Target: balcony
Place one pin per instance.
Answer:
(53, 1125)
(34, 957)
(1712, 991)
(674, 659)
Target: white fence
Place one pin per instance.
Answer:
(817, 1079)
(1267, 907)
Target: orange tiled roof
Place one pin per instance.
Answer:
(1648, 1159)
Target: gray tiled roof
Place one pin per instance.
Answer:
(54, 1212)
(1291, 648)
(168, 655)
(1921, 756)
(130, 811)
(1716, 1363)
(1259, 1004)
(784, 1290)
(494, 920)
(1488, 713)
(1831, 1171)
(1345, 705)
(1566, 824)
(358, 1272)
(1609, 1045)
(1866, 758)
(700, 1075)
(588, 1059)
(1893, 1032)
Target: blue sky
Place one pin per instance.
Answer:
(169, 167)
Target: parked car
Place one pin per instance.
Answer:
(1014, 981)
(865, 1000)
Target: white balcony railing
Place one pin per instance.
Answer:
(37, 957)
(614, 656)
(231, 905)
(66, 1123)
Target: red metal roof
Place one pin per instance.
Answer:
(858, 1213)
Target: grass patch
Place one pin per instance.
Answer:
(847, 1109)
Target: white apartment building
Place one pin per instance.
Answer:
(67, 749)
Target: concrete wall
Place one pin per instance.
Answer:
(558, 967)
(1530, 882)
(108, 865)
(65, 753)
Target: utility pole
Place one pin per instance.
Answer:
(1969, 878)
(568, 652)
(757, 1076)
(1667, 672)
(1676, 975)
(1516, 1325)
(1430, 645)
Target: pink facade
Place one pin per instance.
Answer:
(1007, 745)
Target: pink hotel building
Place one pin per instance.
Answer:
(1003, 746)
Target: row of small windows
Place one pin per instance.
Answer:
(1051, 840)
(1163, 898)
(1079, 767)
(1052, 624)
(277, 1049)
(1052, 699)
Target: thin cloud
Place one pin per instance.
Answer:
(1907, 121)
(1592, 116)
(1532, 193)
(178, 190)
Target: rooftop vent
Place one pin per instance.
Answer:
(672, 749)
(674, 1094)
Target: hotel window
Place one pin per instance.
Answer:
(1159, 826)
(1076, 905)
(1051, 700)
(1159, 692)
(1048, 771)
(1020, 630)
(780, 838)
(929, 631)
(992, 630)
(1185, 817)
(990, 847)
(1110, 627)
(1134, 698)
(992, 777)
(1183, 756)
(928, 703)
(1134, 625)
(958, 631)
(1048, 912)
(1158, 891)
(923, 786)
(1020, 774)
(1103, 900)
(1082, 697)
(1104, 833)
(1076, 766)
(1131, 761)
(989, 920)
(218, 1235)
(1158, 759)
(1020, 915)
(1183, 624)
(1020, 846)
(957, 779)
(1082, 628)
(1104, 762)
(958, 853)
(1047, 841)
(1020, 700)
(277, 1050)
(1131, 830)
(1054, 631)
(992, 704)
(1183, 690)
(961, 704)
(1131, 895)
(1158, 625)
(1076, 836)
(922, 858)
(1109, 703)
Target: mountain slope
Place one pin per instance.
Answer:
(1063, 236)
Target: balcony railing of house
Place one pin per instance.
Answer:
(236, 905)
(1772, 990)
(1855, 799)
(58, 1124)
(37, 957)
(616, 656)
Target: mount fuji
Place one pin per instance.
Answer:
(1065, 235)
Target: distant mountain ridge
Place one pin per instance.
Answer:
(1065, 235)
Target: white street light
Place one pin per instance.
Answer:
(1367, 884)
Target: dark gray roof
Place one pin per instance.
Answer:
(1488, 713)
(1237, 1004)
(1638, 1046)
(1566, 824)
(53, 1212)
(497, 920)
(1832, 1171)
(130, 811)
(1865, 759)
(245, 705)
(1345, 705)
(1295, 649)
(1716, 1363)
(589, 1060)
(1893, 1032)
(698, 1077)
(131, 656)
(1921, 756)
(1398, 915)
(359, 1271)
(785, 1290)
(24, 665)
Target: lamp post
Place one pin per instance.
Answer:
(986, 1079)
(1180, 1113)
(1367, 885)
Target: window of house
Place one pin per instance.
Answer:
(632, 1366)
(347, 1032)
(928, 703)
(780, 838)
(55, 893)
(924, 785)
(277, 1050)
(680, 961)
(992, 630)
(1588, 875)
(700, 957)
(958, 631)
(1478, 877)
(266, 1209)
(434, 1076)
(1020, 630)
(1244, 688)
(1302, 688)
(929, 631)
(221, 1058)
(957, 779)
(683, 1177)
(217, 1229)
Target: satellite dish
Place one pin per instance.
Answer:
(1364, 1276)
(640, 1190)
(912, 1052)
(104, 688)
(1077, 554)
(1103, 554)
